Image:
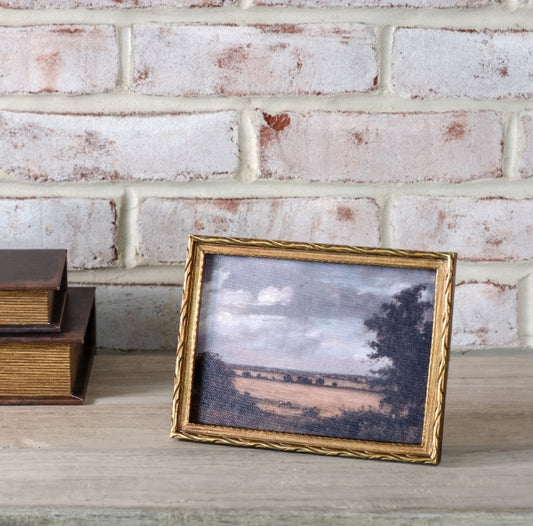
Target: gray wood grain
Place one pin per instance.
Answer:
(112, 460)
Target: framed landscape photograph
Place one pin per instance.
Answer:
(314, 348)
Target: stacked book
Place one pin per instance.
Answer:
(47, 330)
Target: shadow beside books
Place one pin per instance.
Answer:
(113, 377)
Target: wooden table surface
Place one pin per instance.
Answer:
(112, 461)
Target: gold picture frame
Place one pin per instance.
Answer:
(315, 348)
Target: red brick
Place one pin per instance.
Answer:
(69, 147)
(85, 227)
(380, 147)
(485, 314)
(526, 168)
(58, 58)
(254, 60)
(460, 63)
(164, 224)
(485, 229)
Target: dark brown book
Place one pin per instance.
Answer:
(33, 289)
(53, 367)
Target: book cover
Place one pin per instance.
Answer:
(33, 289)
(53, 367)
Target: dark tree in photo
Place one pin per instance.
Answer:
(215, 399)
(403, 330)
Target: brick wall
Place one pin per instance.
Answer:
(127, 125)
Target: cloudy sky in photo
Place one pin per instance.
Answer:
(296, 315)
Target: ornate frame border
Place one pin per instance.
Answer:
(427, 452)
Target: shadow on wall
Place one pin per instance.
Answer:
(137, 317)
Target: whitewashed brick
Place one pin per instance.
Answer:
(456, 63)
(58, 58)
(485, 314)
(484, 229)
(164, 224)
(526, 167)
(260, 60)
(85, 227)
(103, 4)
(69, 147)
(380, 147)
(373, 3)
(147, 314)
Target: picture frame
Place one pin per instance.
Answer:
(316, 348)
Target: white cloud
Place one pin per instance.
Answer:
(275, 296)
(238, 299)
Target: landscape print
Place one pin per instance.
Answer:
(317, 348)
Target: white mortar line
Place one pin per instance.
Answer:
(127, 228)
(509, 148)
(503, 273)
(160, 275)
(514, 146)
(511, 5)
(384, 38)
(481, 18)
(120, 102)
(125, 47)
(229, 187)
(249, 165)
(516, 274)
(244, 4)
